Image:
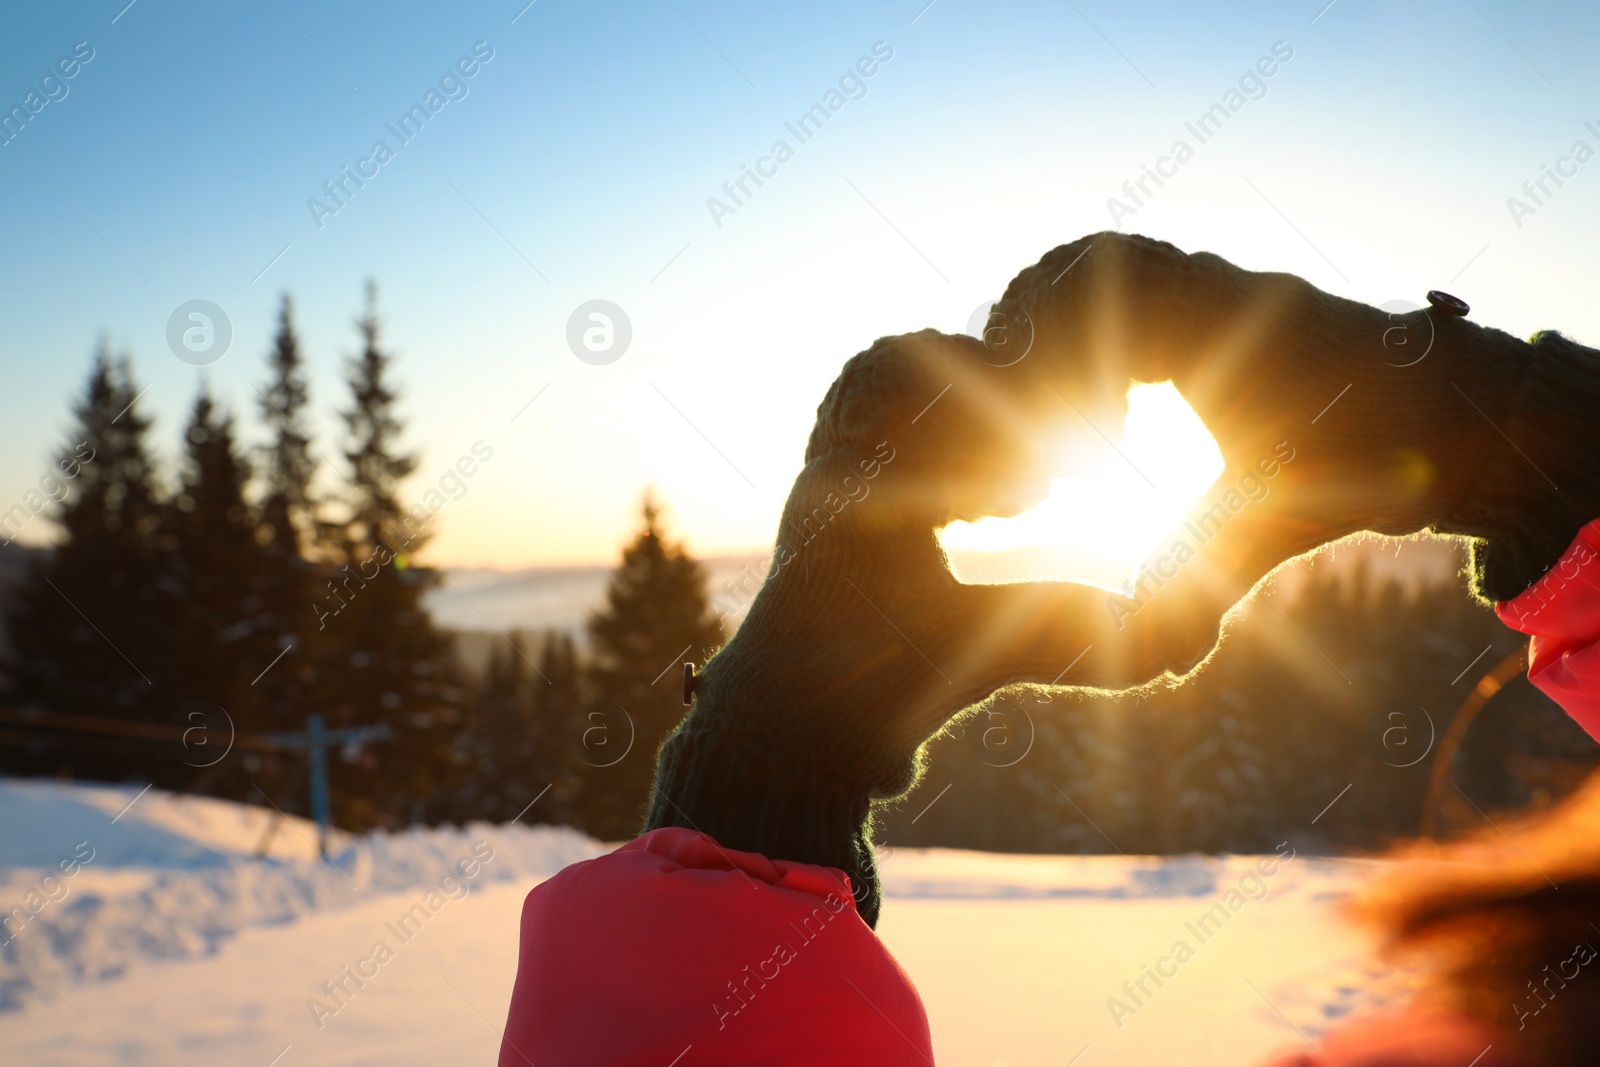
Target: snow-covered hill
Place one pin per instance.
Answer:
(97, 880)
(143, 929)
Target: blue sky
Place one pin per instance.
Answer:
(579, 163)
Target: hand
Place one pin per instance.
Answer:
(1332, 416)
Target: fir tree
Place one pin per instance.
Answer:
(377, 463)
(295, 662)
(559, 707)
(656, 616)
(518, 740)
(86, 627)
(288, 509)
(496, 741)
(387, 662)
(220, 632)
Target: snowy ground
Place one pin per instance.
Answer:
(172, 945)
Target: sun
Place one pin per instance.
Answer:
(1098, 524)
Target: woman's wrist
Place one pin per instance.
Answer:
(750, 793)
(1541, 484)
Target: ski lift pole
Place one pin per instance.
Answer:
(316, 741)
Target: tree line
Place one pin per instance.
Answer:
(237, 597)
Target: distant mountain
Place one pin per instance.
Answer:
(538, 598)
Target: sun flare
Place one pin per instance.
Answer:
(1100, 523)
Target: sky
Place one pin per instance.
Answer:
(577, 161)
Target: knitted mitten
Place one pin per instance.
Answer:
(1393, 422)
(862, 645)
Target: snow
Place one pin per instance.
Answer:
(1017, 968)
(95, 880)
(175, 945)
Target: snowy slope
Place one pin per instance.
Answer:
(173, 945)
(95, 879)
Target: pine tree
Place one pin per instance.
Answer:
(287, 508)
(377, 464)
(656, 616)
(86, 627)
(496, 740)
(220, 633)
(387, 662)
(519, 738)
(559, 708)
(296, 660)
